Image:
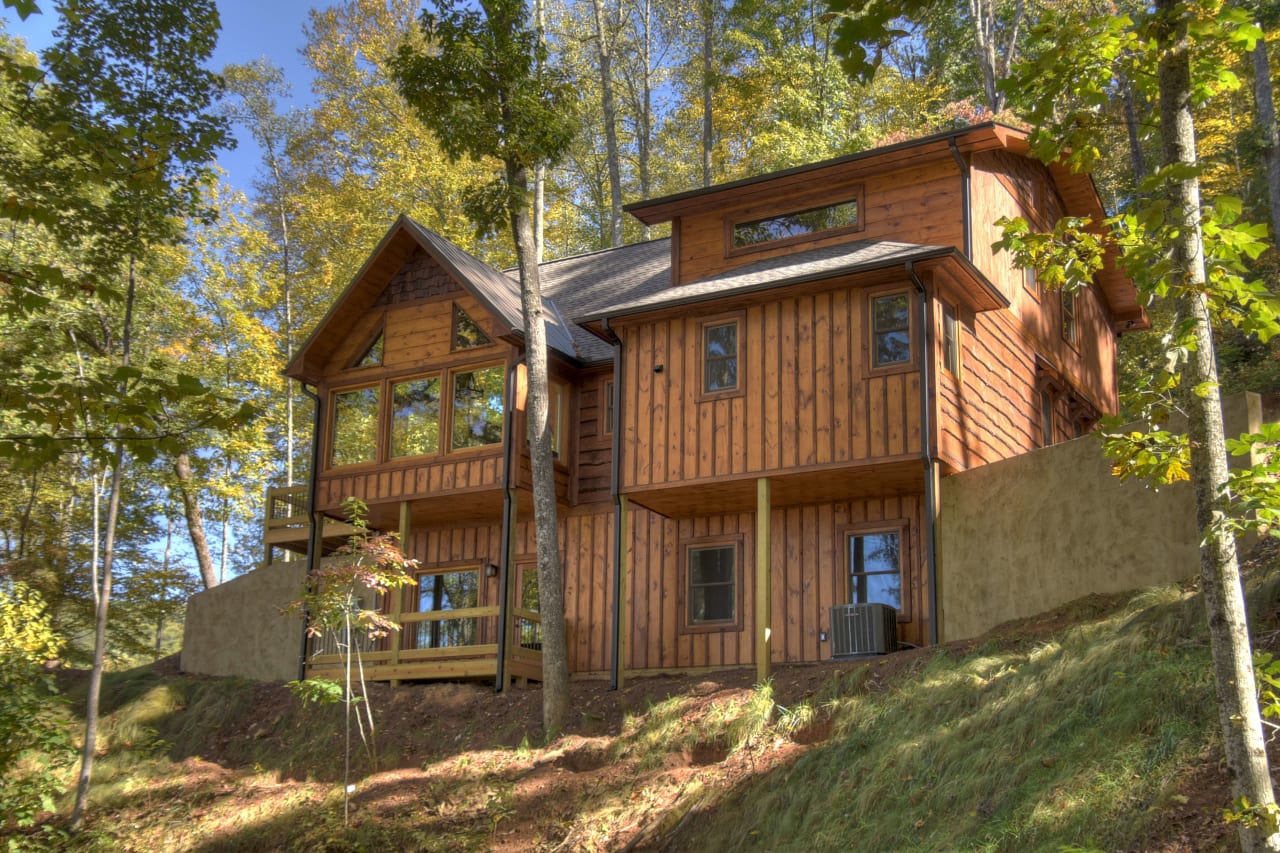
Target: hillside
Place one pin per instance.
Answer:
(1090, 727)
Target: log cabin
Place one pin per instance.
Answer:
(750, 417)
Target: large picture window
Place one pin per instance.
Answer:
(355, 427)
(458, 590)
(711, 584)
(477, 407)
(720, 357)
(875, 568)
(415, 417)
(890, 330)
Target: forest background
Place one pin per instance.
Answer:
(675, 94)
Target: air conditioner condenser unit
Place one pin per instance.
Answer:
(863, 629)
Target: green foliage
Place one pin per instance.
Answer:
(35, 748)
(321, 691)
(487, 89)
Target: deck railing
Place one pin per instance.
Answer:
(287, 507)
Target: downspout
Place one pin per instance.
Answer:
(315, 539)
(965, 201)
(926, 452)
(504, 564)
(615, 463)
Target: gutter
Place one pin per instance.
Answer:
(965, 200)
(504, 562)
(315, 540)
(615, 465)
(926, 452)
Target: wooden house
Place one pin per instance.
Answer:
(750, 416)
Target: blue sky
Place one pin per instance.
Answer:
(250, 29)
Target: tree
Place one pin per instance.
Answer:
(485, 89)
(1191, 254)
(132, 89)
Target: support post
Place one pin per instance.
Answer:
(764, 555)
(397, 595)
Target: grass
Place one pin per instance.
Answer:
(1073, 739)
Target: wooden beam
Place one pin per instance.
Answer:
(397, 594)
(764, 551)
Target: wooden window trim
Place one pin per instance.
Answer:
(901, 526)
(854, 194)
(389, 394)
(331, 427)
(606, 415)
(868, 339)
(740, 319)
(1031, 283)
(379, 332)
(952, 350)
(1073, 339)
(682, 592)
(454, 308)
(447, 447)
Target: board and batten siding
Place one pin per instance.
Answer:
(921, 203)
(806, 398)
(809, 577)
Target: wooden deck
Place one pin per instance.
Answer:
(286, 524)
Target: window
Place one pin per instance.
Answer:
(950, 339)
(1031, 281)
(720, 357)
(841, 216)
(415, 417)
(467, 332)
(1069, 317)
(1046, 416)
(456, 590)
(355, 427)
(372, 354)
(477, 407)
(890, 330)
(608, 408)
(555, 415)
(875, 568)
(711, 585)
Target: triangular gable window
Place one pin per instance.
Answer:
(467, 332)
(372, 355)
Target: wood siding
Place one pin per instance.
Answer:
(917, 204)
(809, 576)
(1007, 185)
(808, 399)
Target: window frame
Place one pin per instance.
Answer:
(1070, 317)
(1048, 417)
(684, 597)
(606, 409)
(332, 423)
(899, 526)
(391, 383)
(738, 320)
(1031, 283)
(412, 597)
(378, 336)
(911, 363)
(453, 330)
(854, 195)
(456, 371)
(952, 329)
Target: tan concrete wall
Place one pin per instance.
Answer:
(237, 628)
(1027, 534)
(1024, 535)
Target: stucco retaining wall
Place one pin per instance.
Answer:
(1024, 535)
(237, 628)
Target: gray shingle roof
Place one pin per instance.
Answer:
(586, 284)
(771, 272)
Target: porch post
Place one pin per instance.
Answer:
(397, 594)
(764, 552)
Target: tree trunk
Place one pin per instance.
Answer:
(612, 156)
(708, 69)
(1137, 158)
(555, 655)
(195, 519)
(1241, 724)
(540, 170)
(1266, 119)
